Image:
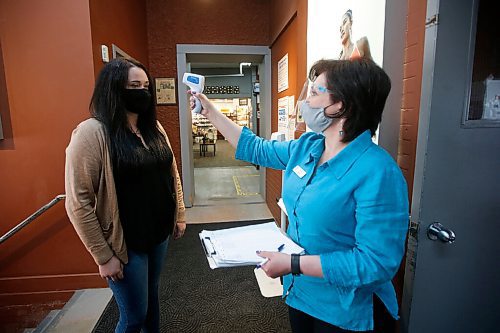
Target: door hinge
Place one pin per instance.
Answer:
(433, 20)
(413, 230)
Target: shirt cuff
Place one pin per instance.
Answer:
(243, 143)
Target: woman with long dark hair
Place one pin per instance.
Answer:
(123, 191)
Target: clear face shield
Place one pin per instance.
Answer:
(315, 117)
(297, 123)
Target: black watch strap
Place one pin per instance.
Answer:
(295, 264)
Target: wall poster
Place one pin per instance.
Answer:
(345, 29)
(165, 90)
(283, 73)
(286, 117)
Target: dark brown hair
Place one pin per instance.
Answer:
(362, 87)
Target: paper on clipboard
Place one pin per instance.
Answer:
(281, 205)
(208, 252)
(237, 246)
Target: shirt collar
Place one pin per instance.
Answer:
(341, 163)
(317, 149)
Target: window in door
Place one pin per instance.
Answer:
(484, 100)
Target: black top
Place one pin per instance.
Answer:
(146, 197)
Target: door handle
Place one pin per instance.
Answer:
(437, 231)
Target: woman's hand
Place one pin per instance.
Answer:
(180, 228)
(113, 269)
(279, 264)
(206, 105)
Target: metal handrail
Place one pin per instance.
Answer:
(31, 218)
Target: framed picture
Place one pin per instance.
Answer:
(165, 90)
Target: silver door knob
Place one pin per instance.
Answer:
(437, 231)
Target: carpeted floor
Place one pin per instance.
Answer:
(195, 298)
(224, 156)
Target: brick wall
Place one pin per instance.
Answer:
(226, 22)
(412, 78)
(410, 105)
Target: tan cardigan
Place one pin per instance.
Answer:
(91, 201)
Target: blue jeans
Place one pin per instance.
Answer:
(137, 293)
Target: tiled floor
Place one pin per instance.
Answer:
(225, 194)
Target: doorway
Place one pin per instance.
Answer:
(211, 175)
(219, 178)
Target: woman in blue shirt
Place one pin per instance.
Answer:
(346, 198)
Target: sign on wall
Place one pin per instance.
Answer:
(283, 74)
(286, 116)
(165, 90)
(221, 90)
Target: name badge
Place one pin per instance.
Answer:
(299, 171)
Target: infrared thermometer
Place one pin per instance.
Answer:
(196, 83)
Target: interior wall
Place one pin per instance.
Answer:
(410, 106)
(172, 22)
(412, 79)
(46, 50)
(281, 13)
(290, 31)
(119, 22)
(5, 127)
(285, 44)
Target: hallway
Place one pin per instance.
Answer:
(226, 189)
(226, 194)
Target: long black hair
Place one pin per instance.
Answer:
(107, 106)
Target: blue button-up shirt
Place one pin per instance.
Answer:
(352, 211)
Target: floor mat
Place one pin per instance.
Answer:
(195, 298)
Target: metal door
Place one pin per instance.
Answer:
(454, 286)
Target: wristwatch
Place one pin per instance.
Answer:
(295, 264)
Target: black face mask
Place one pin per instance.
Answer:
(137, 100)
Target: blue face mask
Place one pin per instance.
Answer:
(315, 118)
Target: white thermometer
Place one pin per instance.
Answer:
(196, 83)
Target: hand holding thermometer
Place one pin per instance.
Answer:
(196, 83)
